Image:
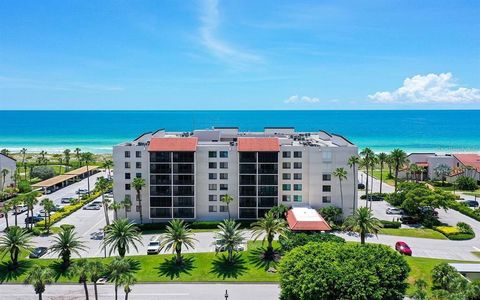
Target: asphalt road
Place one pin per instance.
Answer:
(183, 291)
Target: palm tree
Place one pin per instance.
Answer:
(66, 243)
(121, 235)
(14, 241)
(39, 277)
(177, 234)
(4, 173)
(363, 222)
(87, 157)
(103, 185)
(415, 170)
(268, 227)
(399, 158)
(48, 207)
(30, 201)
(5, 152)
(5, 210)
(229, 237)
(24, 162)
(115, 206)
(138, 184)
(78, 156)
(15, 202)
(366, 153)
(66, 155)
(127, 282)
(108, 164)
(127, 203)
(382, 158)
(442, 171)
(118, 270)
(341, 174)
(227, 199)
(373, 163)
(81, 268)
(353, 162)
(96, 271)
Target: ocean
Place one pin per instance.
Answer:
(442, 131)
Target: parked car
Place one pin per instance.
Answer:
(91, 206)
(33, 220)
(98, 202)
(427, 210)
(361, 186)
(20, 209)
(403, 248)
(81, 191)
(470, 203)
(38, 252)
(409, 220)
(153, 246)
(394, 211)
(375, 198)
(220, 248)
(55, 208)
(96, 235)
(67, 200)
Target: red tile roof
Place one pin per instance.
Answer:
(297, 224)
(247, 144)
(472, 160)
(173, 144)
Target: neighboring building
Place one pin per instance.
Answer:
(187, 173)
(469, 271)
(10, 164)
(306, 219)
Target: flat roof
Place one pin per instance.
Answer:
(81, 170)
(53, 181)
(173, 144)
(467, 268)
(258, 144)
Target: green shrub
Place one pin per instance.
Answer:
(42, 172)
(466, 183)
(331, 213)
(343, 271)
(67, 226)
(36, 231)
(24, 186)
(193, 225)
(292, 239)
(375, 196)
(464, 227)
(390, 224)
(461, 236)
(474, 214)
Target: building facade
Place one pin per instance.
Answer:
(9, 164)
(187, 173)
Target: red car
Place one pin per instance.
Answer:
(403, 248)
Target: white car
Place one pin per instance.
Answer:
(394, 211)
(91, 206)
(220, 248)
(153, 246)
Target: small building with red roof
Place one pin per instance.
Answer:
(306, 219)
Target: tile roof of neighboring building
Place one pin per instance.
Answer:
(173, 144)
(247, 144)
(472, 160)
(301, 219)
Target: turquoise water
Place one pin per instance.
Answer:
(98, 131)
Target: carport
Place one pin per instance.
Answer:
(60, 181)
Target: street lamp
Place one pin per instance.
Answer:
(226, 294)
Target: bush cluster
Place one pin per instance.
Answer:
(466, 183)
(374, 196)
(292, 240)
(461, 232)
(193, 225)
(42, 172)
(462, 208)
(390, 224)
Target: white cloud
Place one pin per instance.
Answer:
(302, 99)
(431, 88)
(210, 21)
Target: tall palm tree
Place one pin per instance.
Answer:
(115, 206)
(267, 227)
(108, 164)
(24, 161)
(5, 210)
(353, 163)
(341, 174)
(87, 158)
(81, 268)
(118, 270)
(382, 158)
(399, 158)
(66, 243)
(14, 241)
(4, 174)
(127, 204)
(414, 170)
(227, 199)
(363, 222)
(66, 155)
(48, 207)
(96, 270)
(373, 163)
(30, 201)
(102, 185)
(127, 282)
(78, 156)
(229, 237)
(15, 202)
(121, 235)
(39, 277)
(177, 234)
(366, 153)
(138, 184)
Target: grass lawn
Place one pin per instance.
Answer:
(376, 175)
(477, 254)
(414, 232)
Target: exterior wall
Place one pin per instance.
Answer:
(435, 161)
(10, 165)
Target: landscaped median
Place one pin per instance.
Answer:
(462, 208)
(461, 232)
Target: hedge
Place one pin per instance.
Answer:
(390, 224)
(462, 208)
(296, 239)
(192, 225)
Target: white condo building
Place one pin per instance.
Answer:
(187, 173)
(9, 164)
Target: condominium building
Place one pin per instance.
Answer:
(10, 165)
(187, 173)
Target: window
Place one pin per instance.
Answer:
(212, 187)
(224, 165)
(286, 176)
(138, 165)
(297, 154)
(327, 156)
(127, 186)
(223, 208)
(223, 187)
(212, 154)
(127, 165)
(286, 187)
(297, 176)
(297, 165)
(297, 198)
(212, 175)
(138, 154)
(138, 175)
(327, 177)
(212, 208)
(127, 175)
(212, 165)
(212, 197)
(224, 176)
(127, 154)
(286, 154)
(286, 165)
(286, 198)
(223, 154)
(326, 199)
(327, 188)
(297, 187)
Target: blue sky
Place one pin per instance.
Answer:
(241, 54)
